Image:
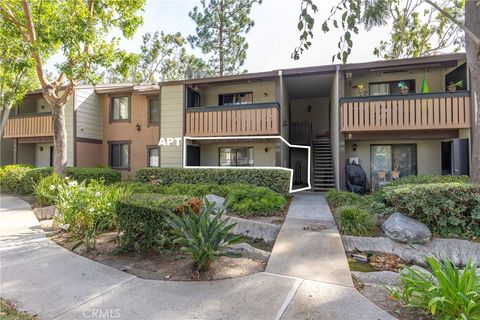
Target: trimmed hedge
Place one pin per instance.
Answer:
(11, 177)
(142, 220)
(374, 203)
(33, 177)
(276, 179)
(109, 175)
(426, 179)
(449, 209)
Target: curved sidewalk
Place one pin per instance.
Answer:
(49, 281)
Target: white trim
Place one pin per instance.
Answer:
(185, 138)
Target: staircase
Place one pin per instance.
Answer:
(323, 174)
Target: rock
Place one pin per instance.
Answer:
(418, 269)
(401, 228)
(217, 200)
(385, 278)
(459, 251)
(356, 179)
(254, 229)
(250, 252)
(45, 213)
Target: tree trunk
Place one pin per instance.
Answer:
(472, 22)
(220, 39)
(5, 115)
(59, 138)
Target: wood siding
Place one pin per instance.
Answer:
(89, 114)
(232, 121)
(171, 116)
(418, 112)
(28, 126)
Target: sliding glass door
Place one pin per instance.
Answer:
(393, 161)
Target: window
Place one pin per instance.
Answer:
(235, 98)
(153, 111)
(153, 156)
(234, 157)
(389, 87)
(388, 162)
(119, 155)
(120, 109)
(193, 98)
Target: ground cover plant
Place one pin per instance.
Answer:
(448, 293)
(356, 222)
(205, 239)
(276, 179)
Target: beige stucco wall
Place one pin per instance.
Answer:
(428, 154)
(318, 117)
(209, 95)
(435, 79)
(126, 131)
(89, 154)
(171, 124)
(42, 157)
(209, 153)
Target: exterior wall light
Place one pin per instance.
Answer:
(309, 108)
(354, 147)
(266, 149)
(138, 127)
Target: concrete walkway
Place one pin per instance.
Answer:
(306, 278)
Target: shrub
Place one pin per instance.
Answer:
(249, 200)
(81, 174)
(337, 198)
(89, 209)
(33, 177)
(142, 220)
(449, 209)
(11, 177)
(46, 190)
(449, 293)
(140, 187)
(356, 222)
(204, 238)
(276, 179)
(198, 189)
(426, 179)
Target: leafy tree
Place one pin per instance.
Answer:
(350, 15)
(17, 75)
(77, 29)
(220, 32)
(162, 57)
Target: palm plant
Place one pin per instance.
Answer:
(205, 237)
(448, 293)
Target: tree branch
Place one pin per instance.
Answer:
(468, 32)
(32, 38)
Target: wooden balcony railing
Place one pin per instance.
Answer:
(238, 120)
(29, 125)
(409, 112)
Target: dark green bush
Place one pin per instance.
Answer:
(198, 189)
(449, 209)
(248, 200)
(81, 174)
(11, 177)
(356, 222)
(276, 179)
(142, 220)
(337, 198)
(425, 179)
(374, 203)
(33, 177)
(140, 187)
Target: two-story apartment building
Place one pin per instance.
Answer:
(353, 112)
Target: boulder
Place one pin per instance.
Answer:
(401, 228)
(217, 200)
(45, 213)
(356, 179)
(382, 278)
(250, 252)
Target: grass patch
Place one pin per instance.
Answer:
(8, 312)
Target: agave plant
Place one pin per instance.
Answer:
(448, 293)
(204, 236)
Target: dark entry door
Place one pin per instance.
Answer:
(460, 157)
(193, 156)
(51, 156)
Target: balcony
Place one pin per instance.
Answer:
(429, 111)
(234, 120)
(29, 125)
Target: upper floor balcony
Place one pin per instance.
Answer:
(429, 111)
(253, 119)
(29, 125)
